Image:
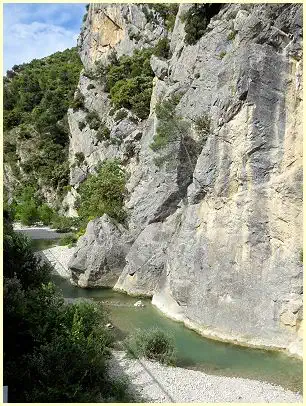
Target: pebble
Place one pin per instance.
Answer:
(158, 383)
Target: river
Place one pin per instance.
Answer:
(193, 350)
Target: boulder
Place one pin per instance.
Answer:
(100, 254)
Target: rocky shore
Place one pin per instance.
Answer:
(162, 384)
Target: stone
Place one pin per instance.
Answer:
(139, 304)
(159, 67)
(100, 253)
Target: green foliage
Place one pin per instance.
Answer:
(231, 36)
(202, 126)
(27, 203)
(45, 214)
(77, 103)
(64, 224)
(103, 133)
(167, 130)
(197, 19)
(167, 11)
(69, 239)
(301, 255)
(162, 48)
(93, 120)
(120, 115)
(36, 98)
(153, 344)
(222, 54)
(103, 193)
(79, 157)
(90, 86)
(129, 81)
(53, 351)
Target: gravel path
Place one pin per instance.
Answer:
(162, 384)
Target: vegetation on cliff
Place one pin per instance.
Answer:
(53, 351)
(103, 193)
(36, 98)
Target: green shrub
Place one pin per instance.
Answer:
(231, 36)
(69, 239)
(90, 86)
(62, 224)
(112, 111)
(78, 102)
(167, 130)
(79, 157)
(202, 126)
(81, 125)
(103, 193)
(93, 120)
(103, 133)
(197, 19)
(222, 54)
(162, 48)
(37, 99)
(45, 214)
(166, 11)
(153, 344)
(120, 115)
(43, 335)
(129, 81)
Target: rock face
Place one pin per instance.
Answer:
(217, 234)
(100, 254)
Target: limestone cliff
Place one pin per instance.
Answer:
(214, 234)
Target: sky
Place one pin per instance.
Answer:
(36, 30)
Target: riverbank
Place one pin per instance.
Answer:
(163, 384)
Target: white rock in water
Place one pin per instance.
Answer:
(139, 304)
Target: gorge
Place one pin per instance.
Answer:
(200, 129)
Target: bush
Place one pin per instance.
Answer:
(167, 129)
(45, 214)
(69, 239)
(79, 157)
(162, 48)
(63, 224)
(153, 344)
(222, 54)
(202, 126)
(93, 120)
(197, 19)
(129, 81)
(103, 133)
(78, 102)
(231, 36)
(54, 352)
(120, 115)
(103, 193)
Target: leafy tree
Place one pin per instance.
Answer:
(103, 193)
(53, 351)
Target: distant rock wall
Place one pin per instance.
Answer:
(216, 239)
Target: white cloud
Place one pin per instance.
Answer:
(35, 31)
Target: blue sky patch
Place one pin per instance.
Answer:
(36, 30)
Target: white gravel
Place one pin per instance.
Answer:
(161, 384)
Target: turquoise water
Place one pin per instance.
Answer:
(193, 350)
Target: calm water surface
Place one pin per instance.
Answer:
(193, 351)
